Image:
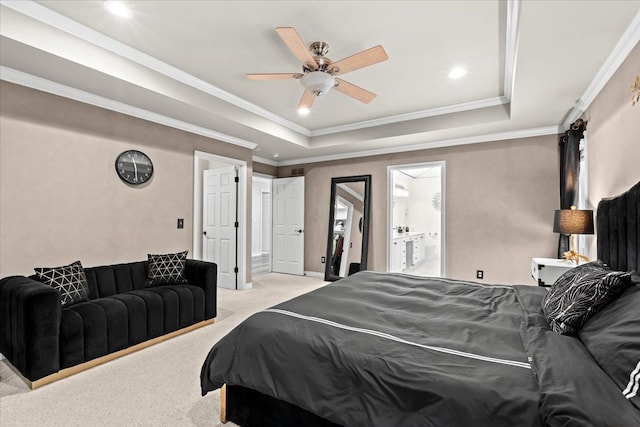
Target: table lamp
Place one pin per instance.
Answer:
(573, 221)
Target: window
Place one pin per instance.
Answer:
(583, 240)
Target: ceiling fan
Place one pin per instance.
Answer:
(319, 73)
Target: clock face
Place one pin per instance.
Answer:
(134, 167)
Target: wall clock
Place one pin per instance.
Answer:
(134, 167)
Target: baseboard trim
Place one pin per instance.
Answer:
(67, 372)
(317, 274)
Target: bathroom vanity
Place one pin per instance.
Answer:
(408, 251)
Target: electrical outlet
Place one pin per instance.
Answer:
(479, 274)
(323, 259)
(180, 223)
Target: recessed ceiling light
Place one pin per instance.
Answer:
(276, 155)
(304, 111)
(457, 73)
(117, 8)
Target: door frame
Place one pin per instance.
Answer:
(443, 212)
(241, 248)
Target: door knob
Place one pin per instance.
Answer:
(204, 232)
(299, 231)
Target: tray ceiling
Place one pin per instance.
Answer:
(183, 63)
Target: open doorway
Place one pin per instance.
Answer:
(228, 249)
(416, 219)
(261, 247)
(277, 218)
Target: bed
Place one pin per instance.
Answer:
(384, 349)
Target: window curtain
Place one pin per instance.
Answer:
(569, 171)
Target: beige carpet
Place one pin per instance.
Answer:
(157, 386)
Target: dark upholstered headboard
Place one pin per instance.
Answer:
(618, 232)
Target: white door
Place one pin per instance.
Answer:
(219, 219)
(288, 225)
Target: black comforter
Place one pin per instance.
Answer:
(378, 349)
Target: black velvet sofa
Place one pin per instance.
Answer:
(45, 341)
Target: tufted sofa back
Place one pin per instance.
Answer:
(107, 280)
(114, 279)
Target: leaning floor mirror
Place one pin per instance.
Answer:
(348, 234)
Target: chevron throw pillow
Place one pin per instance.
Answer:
(70, 280)
(167, 268)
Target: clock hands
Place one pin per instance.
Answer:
(135, 168)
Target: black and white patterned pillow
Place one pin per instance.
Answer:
(579, 293)
(166, 268)
(70, 280)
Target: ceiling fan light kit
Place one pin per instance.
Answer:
(318, 82)
(319, 72)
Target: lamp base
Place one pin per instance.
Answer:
(571, 255)
(574, 257)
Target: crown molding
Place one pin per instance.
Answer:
(466, 106)
(18, 77)
(265, 161)
(517, 134)
(511, 47)
(353, 192)
(621, 51)
(54, 19)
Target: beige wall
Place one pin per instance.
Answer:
(264, 169)
(60, 197)
(500, 198)
(613, 136)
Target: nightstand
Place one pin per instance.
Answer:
(546, 271)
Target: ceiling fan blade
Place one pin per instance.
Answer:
(274, 76)
(360, 60)
(307, 100)
(354, 91)
(293, 40)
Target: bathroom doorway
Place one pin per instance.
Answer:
(416, 207)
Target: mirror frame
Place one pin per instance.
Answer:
(328, 276)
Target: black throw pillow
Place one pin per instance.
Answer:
(167, 268)
(70, 280)
(613, 338)
(579, 293)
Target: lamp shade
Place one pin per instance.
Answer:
(573, 221)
